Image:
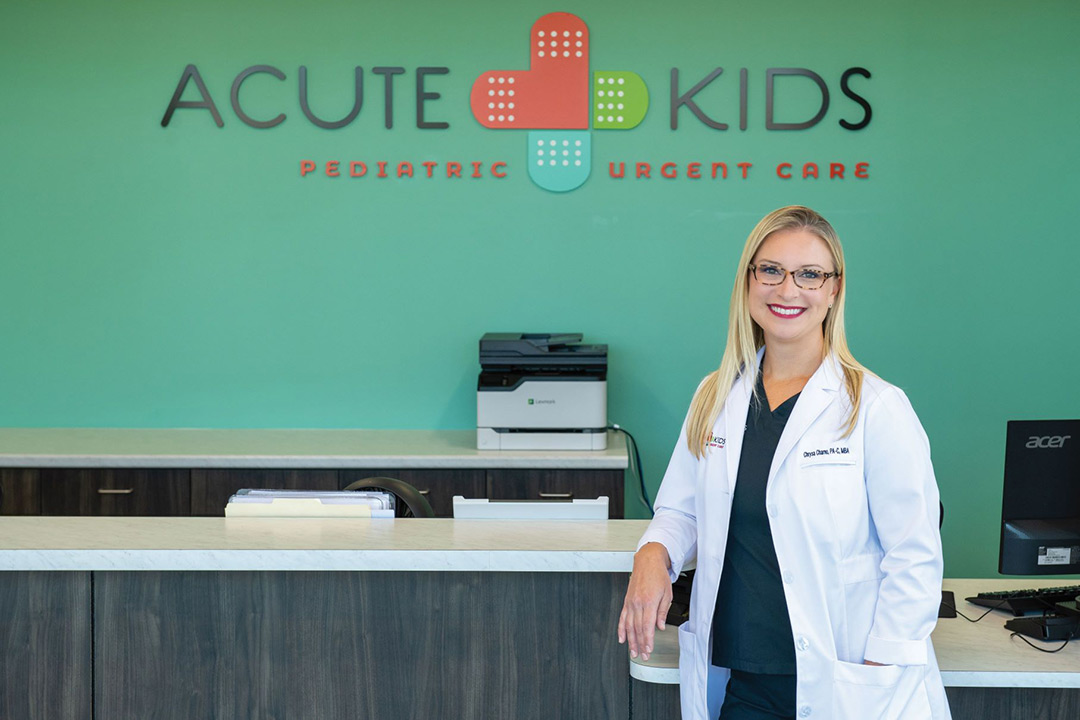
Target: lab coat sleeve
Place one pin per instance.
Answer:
(903, 498)
(674, 523)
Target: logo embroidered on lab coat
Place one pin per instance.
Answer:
(716, 442)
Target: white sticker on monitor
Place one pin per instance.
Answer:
(1055, 555)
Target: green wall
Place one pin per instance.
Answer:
(188, 276)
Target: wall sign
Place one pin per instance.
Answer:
(554, 103)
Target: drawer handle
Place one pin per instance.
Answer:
(115, 491)
(424, 492)
(556, 495)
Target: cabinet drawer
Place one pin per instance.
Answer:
(539, 484)
(126, 491)
(438, 486)
(211, 489)
(20, 492)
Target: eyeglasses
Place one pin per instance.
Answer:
(806, 278)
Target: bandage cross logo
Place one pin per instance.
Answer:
(552, 100)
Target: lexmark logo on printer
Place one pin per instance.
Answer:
(541, 402)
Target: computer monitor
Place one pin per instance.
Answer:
(1040, 509)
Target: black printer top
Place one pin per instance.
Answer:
(539, 349)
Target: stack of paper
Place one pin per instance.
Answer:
(549, 509)
(310, 503)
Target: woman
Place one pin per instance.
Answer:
(802, 485)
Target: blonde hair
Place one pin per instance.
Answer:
(745, 337)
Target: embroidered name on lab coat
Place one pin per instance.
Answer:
(827, 451)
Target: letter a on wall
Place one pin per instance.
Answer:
(552, 99)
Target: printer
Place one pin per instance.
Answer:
(541, 392)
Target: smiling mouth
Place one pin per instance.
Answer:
(786, 312)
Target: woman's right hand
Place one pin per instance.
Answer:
(647, 599)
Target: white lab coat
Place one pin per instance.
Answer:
(855, 524)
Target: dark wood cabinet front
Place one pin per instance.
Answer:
(46, 645)
(205, 491)
(537, 484)
(121, 491)
(20, 492)
(438, 486)
(211, 489)
(323, 645)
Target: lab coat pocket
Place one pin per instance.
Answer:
(861, 576)
(831, 469)
(687, 647)
(830, 459)
(689, 680)
(886, 692)
(833, 484)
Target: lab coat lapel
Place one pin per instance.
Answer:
(735, 409)
(820, 391)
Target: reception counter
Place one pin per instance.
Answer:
(191, 618)
(987, 673)
(192, 472)
(298, 544)
(111, 472)
(254, 618)
(285, 449)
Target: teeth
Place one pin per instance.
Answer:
(786, 311)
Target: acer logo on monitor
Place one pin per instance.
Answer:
(1046, 441)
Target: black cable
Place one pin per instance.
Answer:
(1049, 606)
(644, 495)
(1015, 634)
(953, 608)
(640, 470)
(1059, 649)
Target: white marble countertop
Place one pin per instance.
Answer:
(983, 654)
(290, 449)
(978, 654)
(970, 655)
(143, 543)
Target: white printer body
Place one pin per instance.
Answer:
(541, 392)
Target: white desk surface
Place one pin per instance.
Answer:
(970, 655)
(158, 543)
(983, 654)
(289, 449)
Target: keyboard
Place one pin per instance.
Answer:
(1019, 602)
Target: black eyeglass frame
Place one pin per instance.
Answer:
(826, 275)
